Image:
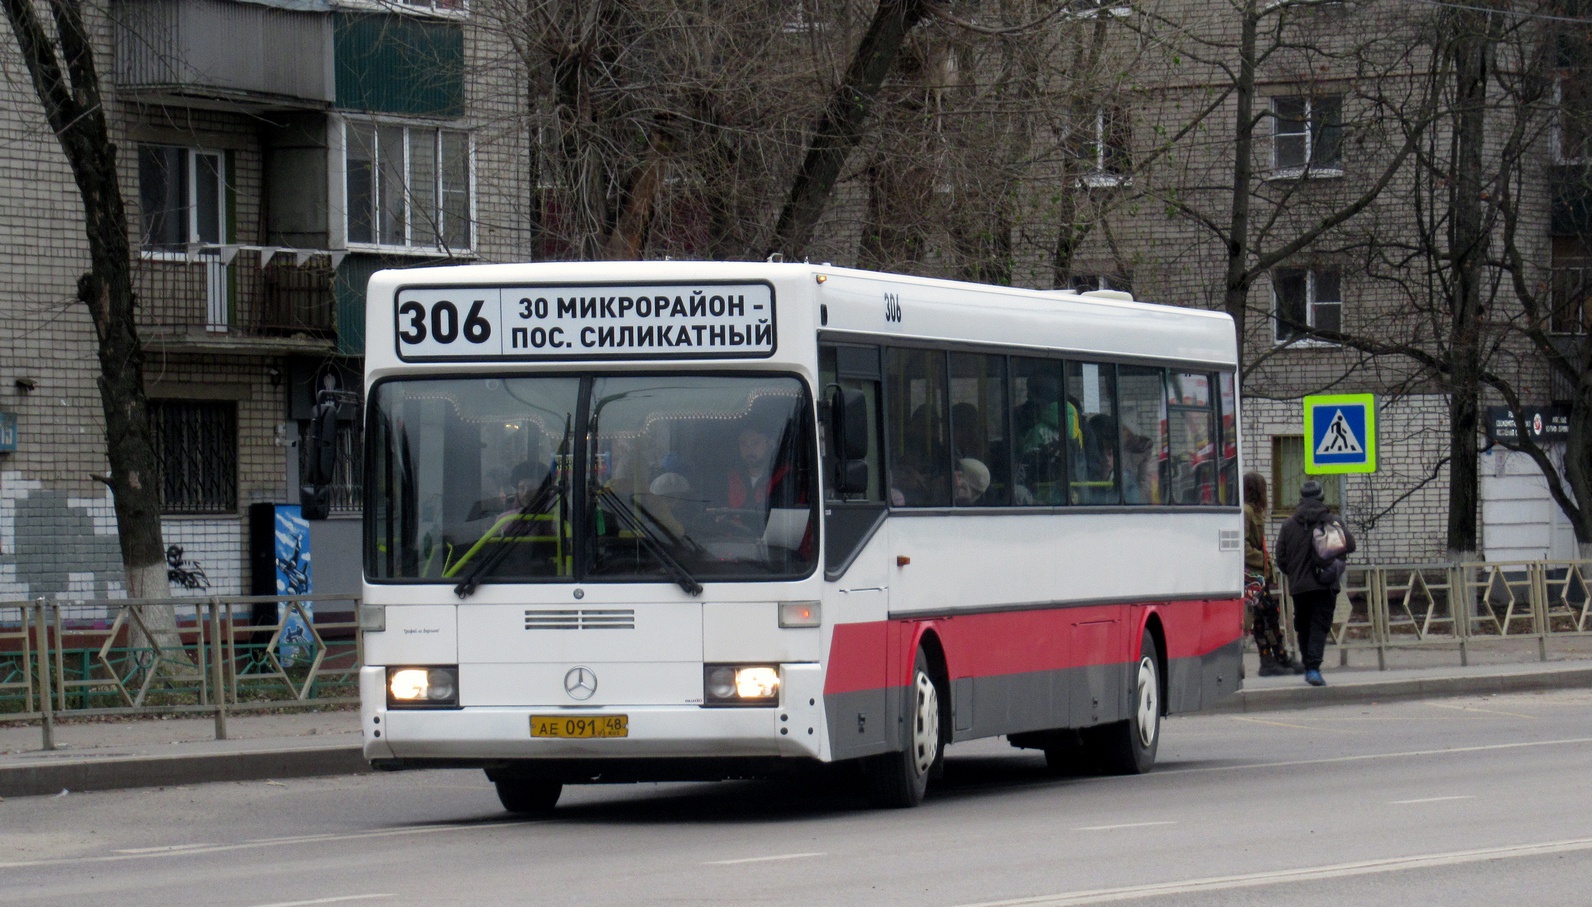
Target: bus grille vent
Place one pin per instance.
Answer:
(580, 619)
(1231, 540)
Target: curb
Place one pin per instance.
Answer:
(169, 771)
(1395, 690)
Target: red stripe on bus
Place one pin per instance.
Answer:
(867, 656)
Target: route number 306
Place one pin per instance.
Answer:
(441, 322)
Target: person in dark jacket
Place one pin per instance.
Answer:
(1296, 558)
(1260, 608)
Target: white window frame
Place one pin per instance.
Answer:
(1100, 152)
(194, 241)
(410, 129)
(1307, 135)
(1558, 124)
(1313, 305)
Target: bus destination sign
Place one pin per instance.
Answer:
(585, 322)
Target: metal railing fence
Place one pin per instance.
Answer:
(217, 657)
(1457, 606)
(214, 656)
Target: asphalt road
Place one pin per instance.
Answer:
(1482, 800)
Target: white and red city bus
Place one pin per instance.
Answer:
(692, 520)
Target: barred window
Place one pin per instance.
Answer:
(196, 451)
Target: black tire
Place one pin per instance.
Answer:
(897, 780)
(528, 796)
(1128, 747)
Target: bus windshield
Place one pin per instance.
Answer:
(634, 478)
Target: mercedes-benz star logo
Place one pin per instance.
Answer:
(580, 683)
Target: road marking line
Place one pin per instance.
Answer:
(1287, 876)
(1469, 708)
(783, 856)
(325, 901)
(1432, 800)
(183, 850)
(1115, 827)
(1173, 769)
(1302, 727)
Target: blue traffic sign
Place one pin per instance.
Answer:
(1340, 434)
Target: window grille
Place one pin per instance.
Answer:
(196, 450)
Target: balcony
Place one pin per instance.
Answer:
(238, 299)
(224, 54)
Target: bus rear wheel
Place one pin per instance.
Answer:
(898, 780)
(1128, 747)
(528, 796)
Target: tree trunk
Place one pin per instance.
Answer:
(68, 88)
(1468, 252)
(1235, 293)
(840, 128)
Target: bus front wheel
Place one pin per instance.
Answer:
(1128, 747)
(897, 780)
(528, 796)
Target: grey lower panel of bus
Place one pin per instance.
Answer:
(868, 722)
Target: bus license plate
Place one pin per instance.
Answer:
(580, 726)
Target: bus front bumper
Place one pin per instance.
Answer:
(490, 735)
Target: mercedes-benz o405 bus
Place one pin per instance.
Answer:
(692, 520)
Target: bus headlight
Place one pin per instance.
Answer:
(423, 687)
(740, 685)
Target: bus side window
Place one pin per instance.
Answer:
(852, 368)
(1098, 480)
(1141, 400)
(916, 426)
(978, 430)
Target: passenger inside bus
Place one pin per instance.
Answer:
(970, 480)
(1099, 485)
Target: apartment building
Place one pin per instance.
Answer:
(1338, 90)
(273, 154)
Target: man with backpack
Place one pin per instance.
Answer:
(1311, 550)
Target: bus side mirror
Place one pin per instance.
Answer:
(848, 414)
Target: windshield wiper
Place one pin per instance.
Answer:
(545, 494)
(489, 561)
(628, 517)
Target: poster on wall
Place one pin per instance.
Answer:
(293, 578)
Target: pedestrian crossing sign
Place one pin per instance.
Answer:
(1340, 434)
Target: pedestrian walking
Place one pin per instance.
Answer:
(1312, 579)
(1260, 606)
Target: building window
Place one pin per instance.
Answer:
(1572, 126)
(181, 194)
(1084, 283)
(1572, 87)
(1572, 285)
(1105, 149)
(1308, 135)
(408, 186)
(196, 451)
(1288, 474)
(1306, 299)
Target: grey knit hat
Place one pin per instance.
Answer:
(1310, 490)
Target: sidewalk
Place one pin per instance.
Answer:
(107, 754)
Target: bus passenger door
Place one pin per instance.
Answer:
(857, 587)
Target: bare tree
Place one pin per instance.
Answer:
(62, 65)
